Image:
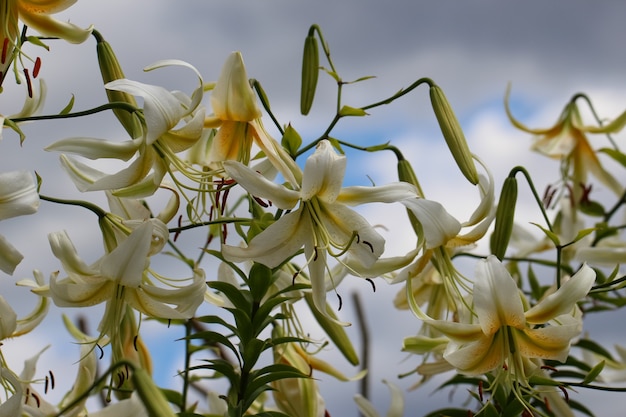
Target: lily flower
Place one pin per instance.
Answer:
(154, 152)
(121, 278)
(322, 223)
(18, 197)
(567, 141)
(503, 334)
(237, 116)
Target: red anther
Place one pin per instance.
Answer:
(480, 390)
(5, 50)
(37, 67)
(547, 403)
(261, 202)
(548, 367)
(180, 219)
(29, 85)
(565, 394)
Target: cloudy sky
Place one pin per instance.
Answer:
(548, 51)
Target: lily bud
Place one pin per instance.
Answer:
(233, 98)
(111, 70)
(505, 214)
(453, 134)
(310, 72)
(151, 396)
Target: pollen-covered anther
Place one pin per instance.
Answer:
(36, 67)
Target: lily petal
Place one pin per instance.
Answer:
(323, 173)
(564, 299)
(438, 225)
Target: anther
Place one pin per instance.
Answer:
(101, 351)
(51, 379)
(37, 67)
(5, 49)
(32, 394)
(29, 84)
(261, 202)
(293, 278)
(480, 390)
(565, 394)
(45, 389)
(365, 242)
(180, 220)
(315, 257)
(371, 281)
(547, 403)
(340, 302)
(135, 343)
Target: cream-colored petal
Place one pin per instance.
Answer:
(126, 264)
(551, 342)
(233, 98)
(276, 244)
(341, 222)
(18, 194)
(497, 300)
(67, 293)
(438, 225)
(65, 251)
(9, 256)
(388, 193)
(564, 299)
(259, 186)
(481, 356)
(323, 173)
(51, 27)
(162, 109)
(93, 148)
(8, 319)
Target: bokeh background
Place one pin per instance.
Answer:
(547, 50)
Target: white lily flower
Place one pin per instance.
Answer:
(163, 138)
(18, 197)
(322, 223)
(502, 334)
(121, 278)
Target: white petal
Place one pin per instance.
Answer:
(388, 193)
(276, 244)
(323, 173)
(126, 263)
(93, 148)
(162, 110)
(438, 225)
(259, 186)
(9, 256)
(233, 98)
(496, 297)
(18, 194)
(563, 300)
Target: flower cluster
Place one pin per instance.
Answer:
(280, 231)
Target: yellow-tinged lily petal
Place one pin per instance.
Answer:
(233, 98)
(126, 263)
(34, 16)
(8, 319)
(497, 300)
(396, 407)
(388, 193)
(564, 299)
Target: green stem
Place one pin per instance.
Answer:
(108, 106)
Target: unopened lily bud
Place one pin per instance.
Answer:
(233, 98)
(310, 72)
(453, 134)
(111, 70)
(335, 332)
(505, 214)
(151, 396)
(406, 174)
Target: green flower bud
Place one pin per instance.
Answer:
(111, 70)
(505, 214)
(453, 134)
(310, 72)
